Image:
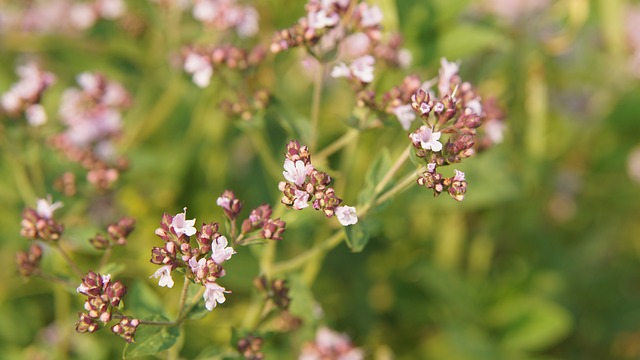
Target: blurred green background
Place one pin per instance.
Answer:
(541, 260)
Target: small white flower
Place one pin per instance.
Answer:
(82, 289)
(370, 15)
(45, 208)
(405, 115)
(197, 265)
(164, 273)
(362, 68)
(340, 70)
(346, 215)
(459, 175)
(183, 226)
(220, 251)
(427, 138)
(200, 68)
(296, 172)
(36, 115)
(224, 203)
(213, 295)
(321, 20)
(302, 200)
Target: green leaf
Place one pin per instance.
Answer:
(378, 169)
(530, 323)
(143, 301)
(151, 339)
(357, 236)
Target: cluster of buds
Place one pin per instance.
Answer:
(116, 234)
(259, 221)
(39, 223)
(458, 112)
(104, 300)
(201, 62)
(250, 347)
(227, 14)
(333, 19)
(24, 96)
(245, 107)
(305, 184)
(201, 263)
(275, 290)
(330, 345)
(29, 262)
(93, 119)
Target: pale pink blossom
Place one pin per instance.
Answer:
(321, 19)
(36, 115)
(82, 16)
(200, 68)
(197, 266)
(405, 115)
(220, 251)
(111, 9)
(164, 273)
(361, 69)
(45, 207)
(213, 295)
(346, 215)
(495, 131)
(370, 15)
(354, 46)
(296, 172)
(183, 226)
(459, 176)
(427, 139)
(301, 200)
(447, 71)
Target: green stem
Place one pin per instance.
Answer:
(338, 144)
(183, 298)
(262, 147)
(400, 187)
(315, 105)
(105, 257)
(69, 261)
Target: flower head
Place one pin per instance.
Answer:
(220, 251)
(213, 295)
(45, 207)
(183, 226)
(296, 172)
(427, 139)
(346, 215)
(301, 200)
(164, 273)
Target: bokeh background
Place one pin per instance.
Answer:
(541, 260)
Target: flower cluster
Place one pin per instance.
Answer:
(93, 120)
(117, 234)
(29, 262)
(244, 106)
(259, 220)
(250, 347)
(104, 300)
(201, 62)
(275, 290)
(39, 223)
(44, 15)
(227, 14)
(202, 263)
(330, 345)
(306, 184)
(25, 95)
(456, 111)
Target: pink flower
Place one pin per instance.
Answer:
(200, 68)
(346, 215)
(405, 115)
(447, 71)
(361, 69)
(320, 19)
(45, 207)
(183, 226)
(302, 200)
(370, 15)
(36, 115)
(459, 175)
(220, 251)
(164, 273)
(296, 172)
(427, 139)
(495, 131)
(213, 295)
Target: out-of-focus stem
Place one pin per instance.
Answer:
(263, 150)
(318, 249)
(315, 105)
(69, 261)
(106, 255)
(400, 187)
(341, 142)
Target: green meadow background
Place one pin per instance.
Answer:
(540, 261)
